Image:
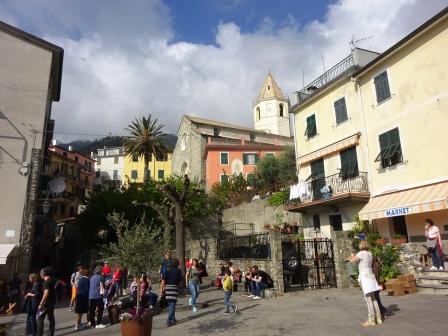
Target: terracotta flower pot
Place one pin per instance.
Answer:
(136, 327)
(399, 241)
(381, 241)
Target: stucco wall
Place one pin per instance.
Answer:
(257, 213)
(24, 103)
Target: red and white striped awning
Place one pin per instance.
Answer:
(426, 198)
(330, 149)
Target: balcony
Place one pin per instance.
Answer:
(344, 67)
(331, 192)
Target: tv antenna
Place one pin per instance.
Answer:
(353, 43)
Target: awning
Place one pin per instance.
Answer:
(5, 250)
(426, 198)
(330, 149)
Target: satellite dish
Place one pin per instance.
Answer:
(57, 185)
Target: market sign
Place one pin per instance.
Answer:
(397, 212)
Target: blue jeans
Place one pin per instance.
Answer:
(257, 287)
(194, 291)
(437, 259)
(227, 297)
(171, 312)
(31, 323)
(152, 298)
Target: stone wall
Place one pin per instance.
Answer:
(342, 247)
(410, 258)
(206, 250)
(256, 214)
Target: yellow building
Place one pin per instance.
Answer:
(372, 140)
(158, 169)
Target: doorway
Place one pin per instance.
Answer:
(399, 224)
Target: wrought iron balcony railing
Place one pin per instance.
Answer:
(334, 185)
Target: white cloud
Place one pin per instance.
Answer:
(129, 72)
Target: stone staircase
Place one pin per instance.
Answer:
(433, 282)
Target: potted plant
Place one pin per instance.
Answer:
(136, 322)
(398, 239)
(131, 250)
(267, 226)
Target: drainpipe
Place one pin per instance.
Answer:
(368, 166)
(296, 149)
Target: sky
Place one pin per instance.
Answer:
(208, 58)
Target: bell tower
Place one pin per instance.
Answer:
(271, 109)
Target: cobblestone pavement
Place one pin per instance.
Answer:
(324, 312)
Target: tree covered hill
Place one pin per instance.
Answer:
(88, 146)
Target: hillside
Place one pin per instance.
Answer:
(88, 146)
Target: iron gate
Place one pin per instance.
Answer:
(308, 264)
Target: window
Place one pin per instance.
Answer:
(316, 223)
(258, 114)
(382, 87)
(98, 173)
(340, 109)
(252, 137)
(98, 162)
(336, 222)
(134, 174)
(224, 178)
(161, 157)
(116, 160)
(76, 159)
(224, 158)
(135, 157)
(390, 149)
(161, 174)
(216, 132)
(349, 163)
(250, 158)
(251, 179)
(269, 155)
(115, 175)
(184, 169)
(311, 129)
(281, 110)
(184, 142)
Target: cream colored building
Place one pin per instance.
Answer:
(30, 80)
(371, 138)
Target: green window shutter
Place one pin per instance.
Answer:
(161, 174)
(390, 148)
(245, 159)
(340, 109)
(134, 174)
(224, 158)
(257, 158)
(349, 163)
(311, 129)
(269, 155)
(382, 87)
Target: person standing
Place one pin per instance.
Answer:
(106, 270)
(96, 291)
(82, 298)
(32, 299)
(434, 245)
(170, 289)
(47, 303)
(192, 279)
(368, 283)
(166, 264)
(74, 281)
(116, 280)
(227, 285)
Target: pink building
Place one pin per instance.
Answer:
(85, 162)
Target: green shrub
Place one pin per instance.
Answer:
(277, 199)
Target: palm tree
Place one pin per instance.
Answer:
(146, 139)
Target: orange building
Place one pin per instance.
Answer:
(225, 157)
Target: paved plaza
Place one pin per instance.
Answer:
(323, 312)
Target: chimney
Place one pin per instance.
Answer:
(54, 142)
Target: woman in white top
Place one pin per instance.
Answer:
(368, 283)
(434, 244)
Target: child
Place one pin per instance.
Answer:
(134, 288)
(227, 285)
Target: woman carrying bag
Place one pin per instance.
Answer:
(434, 245)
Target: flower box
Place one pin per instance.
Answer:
(142, 327)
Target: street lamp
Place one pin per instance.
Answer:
(46, 207)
